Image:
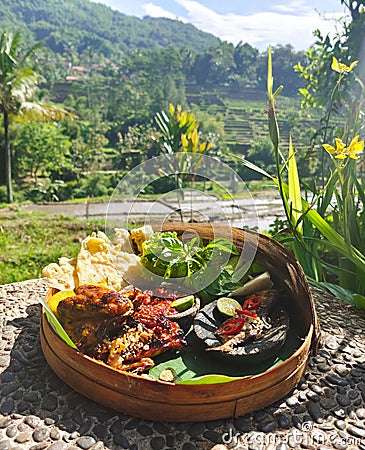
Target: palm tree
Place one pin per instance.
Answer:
(18, 84)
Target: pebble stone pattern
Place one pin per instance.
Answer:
(38, 411)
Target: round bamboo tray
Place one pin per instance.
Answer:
(150, 399)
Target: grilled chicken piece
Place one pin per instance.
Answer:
(91, 301)
(140, 343)
(122, 330)
(84, 315)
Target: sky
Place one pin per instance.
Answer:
(257, 22)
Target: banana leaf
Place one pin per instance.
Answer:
(194, 365)
(52, 319)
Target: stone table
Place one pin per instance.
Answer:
(39, 411)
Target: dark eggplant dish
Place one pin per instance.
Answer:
(254, 333)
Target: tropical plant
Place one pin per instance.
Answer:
(18, 84)
(327, 230)
(346, 46)
(179, 139)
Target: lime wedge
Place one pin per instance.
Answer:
(58, 297)
(227, 306)
(183, 303)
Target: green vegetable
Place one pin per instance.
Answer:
(224, 282)
(166, 255)
(52, 319)
(258, 268)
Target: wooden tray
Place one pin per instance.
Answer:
(153, 400)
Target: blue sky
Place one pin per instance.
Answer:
(258, 22)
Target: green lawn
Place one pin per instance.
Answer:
(30, 241)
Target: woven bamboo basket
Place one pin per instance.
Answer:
(152, 399)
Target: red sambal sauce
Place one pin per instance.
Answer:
(152, 312)
(147, 304)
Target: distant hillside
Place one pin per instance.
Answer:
(74, 25)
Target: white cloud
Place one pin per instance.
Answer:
(156, 11)
(297, 7)
(286, 23)
(263, 28)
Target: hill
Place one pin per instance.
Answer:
(75, 25)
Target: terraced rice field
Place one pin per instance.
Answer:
(244, 114)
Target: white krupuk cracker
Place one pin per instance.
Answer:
(63, 275)
(101, 261)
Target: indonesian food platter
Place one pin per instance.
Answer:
(179, 311)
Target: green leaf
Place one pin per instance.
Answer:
(210, 379)
(359, 301)
(335, 238)
(329, 191)
(252, 166)
(166, 255)
(294, 189)
(360, 190)
(223, 245)
(338, 291)
(184, 375)
(52, 319)
(176, 365)
(195, 366)
(278, 90)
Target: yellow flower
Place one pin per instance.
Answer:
(355, 147)
(332, 150)
(342, 152)
(341, 68)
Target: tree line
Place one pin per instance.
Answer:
(112, 103)
(109, 105)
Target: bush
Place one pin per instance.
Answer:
(45, 191)
(3, 196)
(96, 185)
(162, 185)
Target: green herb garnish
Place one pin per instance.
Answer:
(168, 256)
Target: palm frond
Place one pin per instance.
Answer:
(43, 112)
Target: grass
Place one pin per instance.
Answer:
(30, 241)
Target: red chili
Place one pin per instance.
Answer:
(246, 312)
(233, 326)
(252, 302)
